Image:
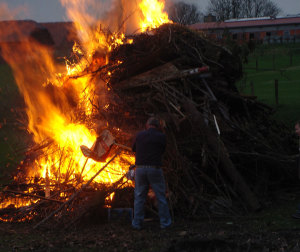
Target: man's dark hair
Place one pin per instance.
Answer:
(153, 121)
(298, 122)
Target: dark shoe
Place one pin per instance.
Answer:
(296, 215)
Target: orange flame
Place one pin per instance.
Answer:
(54, 93)
(153, 14)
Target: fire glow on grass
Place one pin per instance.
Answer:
(47, 89)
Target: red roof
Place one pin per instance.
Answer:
(247, 23)
(61, 31)
(20, 30)
(16, 30)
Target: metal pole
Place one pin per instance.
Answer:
(276, 92)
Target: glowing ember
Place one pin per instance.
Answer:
(59, 100)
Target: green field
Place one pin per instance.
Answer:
(267, 64)
(12, 129)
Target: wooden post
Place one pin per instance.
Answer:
(276, 92)
(256, 64)
(245, 82)
(252, 88)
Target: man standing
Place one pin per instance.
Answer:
(149, 146)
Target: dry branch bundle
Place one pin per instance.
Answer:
(224, 149)
(204, 169)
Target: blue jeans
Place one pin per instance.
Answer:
(145, 176)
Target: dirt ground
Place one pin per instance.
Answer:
(184, 236)
(271, 229)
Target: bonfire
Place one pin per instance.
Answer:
(114, 80)
(64, 111)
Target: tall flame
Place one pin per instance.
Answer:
(153, 14)
(54, 94)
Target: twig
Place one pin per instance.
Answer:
(33, 196)
(76, 193)
(113, 188)
(176, 109)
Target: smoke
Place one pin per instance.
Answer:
(7, 13)
(117, 15)
(123, 16)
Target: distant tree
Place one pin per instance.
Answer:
(270, 9)
(224, 9)
(42, 35)
(227, 9)
(259, 8)
(235, 8)
(185, 14)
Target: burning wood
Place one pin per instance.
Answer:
(173, 73)
(63, 108)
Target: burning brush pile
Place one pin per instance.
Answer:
(223, 149)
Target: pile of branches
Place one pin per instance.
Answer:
(224, 149)
(72, 201)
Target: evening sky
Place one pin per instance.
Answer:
(53, 11)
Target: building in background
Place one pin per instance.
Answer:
(58, 35)
(264, 29)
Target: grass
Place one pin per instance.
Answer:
(267, 64)
(12, 137)
(277, 216)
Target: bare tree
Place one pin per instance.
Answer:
(185, 14)
(224, 9)
(227, 9)
(247, 8)
(270, 9)
(235, 8)
(260, 8)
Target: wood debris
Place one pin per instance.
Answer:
(224, 152)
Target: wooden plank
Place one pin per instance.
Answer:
(156, 74)
(165, 72)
